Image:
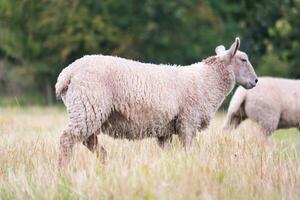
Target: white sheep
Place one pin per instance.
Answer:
(133, 100)
(274, 103)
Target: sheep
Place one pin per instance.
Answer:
(274, 103)
(128, 99)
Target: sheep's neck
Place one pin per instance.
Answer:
(221, 80)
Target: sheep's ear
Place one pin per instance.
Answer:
(220, 50)
(234, 47)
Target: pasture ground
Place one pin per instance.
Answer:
(236, 165)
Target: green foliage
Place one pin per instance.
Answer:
(272, 65)
(5, 194)
(28, 99)
(40, 37)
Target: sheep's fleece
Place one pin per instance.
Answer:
(129, 99)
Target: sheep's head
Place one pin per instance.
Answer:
(238, 61)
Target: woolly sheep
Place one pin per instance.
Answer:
(133, 100)
(273, 103)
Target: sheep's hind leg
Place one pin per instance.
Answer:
(164, 141)
(186, 136)
(67, 141)
(92, 144)
(233, 120)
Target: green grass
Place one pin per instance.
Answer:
(291, 135)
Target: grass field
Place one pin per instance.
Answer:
(237, 165)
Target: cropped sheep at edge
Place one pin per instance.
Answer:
(274, 103)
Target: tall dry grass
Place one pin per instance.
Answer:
(219, 166)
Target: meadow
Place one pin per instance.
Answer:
(221, 165)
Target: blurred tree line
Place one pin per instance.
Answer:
(38, 38)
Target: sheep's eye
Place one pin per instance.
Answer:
(244, 60)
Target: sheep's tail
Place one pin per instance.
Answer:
(63, 82)
(235, 113)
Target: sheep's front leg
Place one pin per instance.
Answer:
(268, 124)
(92, 144)
(268, 120)
(164, 141)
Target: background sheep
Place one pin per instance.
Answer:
(274, 103)
(133, 100)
